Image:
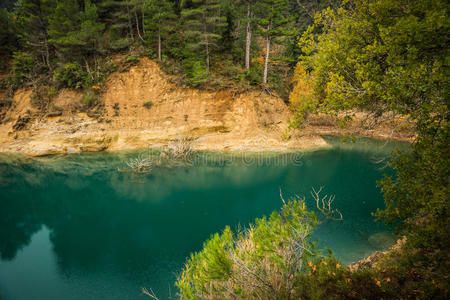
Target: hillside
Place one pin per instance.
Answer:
(143, 109)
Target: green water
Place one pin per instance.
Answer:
(73, 227)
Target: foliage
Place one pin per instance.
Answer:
(417, 196)
(203, 28)
(23, 67)
(377, 56)
(148, 104)
(381, 56)
(159, 21)
(198, 35)
(273, 23)
(195, 70)
(71, 75)
(8, 39)
(261, 262)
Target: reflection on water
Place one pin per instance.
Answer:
(79, 229)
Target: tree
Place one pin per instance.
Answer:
(8, 37)
(246, 14)
(203, 23)
(76, 34)
(62, 22)
(137, 10)
(272, 25)
(90, 34)
(8, 4)
(262, 262)
(117, 13)
(390, 56)
(159, 20)
(32, 21)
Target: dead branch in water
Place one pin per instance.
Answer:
(180, 148)
(149, 293)
(139, 165)
(324, 205)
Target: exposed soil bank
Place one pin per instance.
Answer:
(143, 109)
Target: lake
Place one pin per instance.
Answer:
(82, 226)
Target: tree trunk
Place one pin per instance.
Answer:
(130, 27)
(143, 18)
(137, 25)
(47, 53)
(206, 44)
(159, 43)
(266, 61)
(248, 39)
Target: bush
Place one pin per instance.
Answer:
(90, 98)
(262, 262)
(23, 67)
(254, 74)
(148, 104)
(72, 76)
(195, 71)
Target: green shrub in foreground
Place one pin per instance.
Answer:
(261, 262)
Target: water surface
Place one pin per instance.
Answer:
(73, 227)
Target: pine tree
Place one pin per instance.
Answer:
(137, 12)
(63, 21)
(32, 20)
(89, 34)
(246, 15)
(203, 27)
(74, 32)
(159, 20)
(8, 37)
(118, 14)
(273, 24)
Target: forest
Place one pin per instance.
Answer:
(327, 57)
(212, 43)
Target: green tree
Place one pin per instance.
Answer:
(160, 21)
(32, 21)
(76, 34)
(8, 37)
(262, 262)
(63, 24)
(117, 13)
(203, 23)
(383, 56)
(272, 24)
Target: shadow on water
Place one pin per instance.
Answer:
(107, 233)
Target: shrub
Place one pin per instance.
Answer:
(262, 262)
(131, 59)
(195, 71)
(254, 74)
(90, 98)
(71, 75)
(148, 104)
(23, 67)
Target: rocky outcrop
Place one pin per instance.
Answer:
(374, 258)
(141, 108)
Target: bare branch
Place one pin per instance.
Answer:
(150, 294)
(324, 205)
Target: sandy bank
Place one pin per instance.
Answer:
(141, 109)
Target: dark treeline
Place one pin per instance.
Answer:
(217, 43)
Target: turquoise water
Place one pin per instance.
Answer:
(74, 227)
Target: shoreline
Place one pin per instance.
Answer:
(63, 146)
(214, 120)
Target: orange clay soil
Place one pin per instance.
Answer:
(143, 109)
